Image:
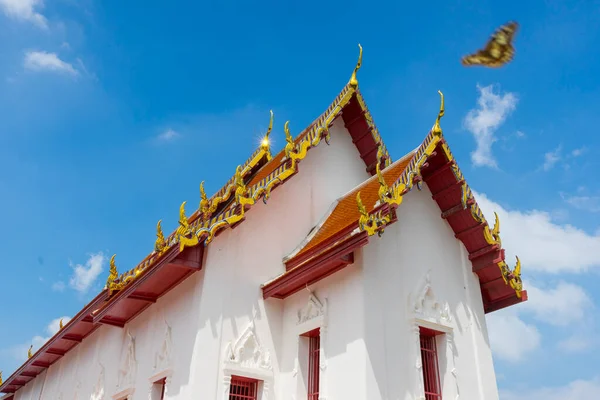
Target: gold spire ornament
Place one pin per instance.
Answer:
(29, 353)
(265, 143)
(184, 232)
(437, 129)
(113, 274)
(353, 81)
(160, 245)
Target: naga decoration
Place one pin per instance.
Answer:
(290, 147)
(206, 207)
(113, 274)
(353, 81)
(374, 222)
(512, 278)
(184, 233)
(386, 195)
(160, 245)
(493, 236)
(29, 352)
(265, 143)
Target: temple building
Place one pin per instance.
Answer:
(326, 271)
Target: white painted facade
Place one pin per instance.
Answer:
(216, 324)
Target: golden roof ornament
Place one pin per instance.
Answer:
(289, 146)
(265, 143)
(29, 353)
(353, 81)
(384, 190)
(203, 198)
(515, 278)
(437, 129)
(113, 274)
(0, 378)
(184, 232)
(160, 245)
(493, 236)
(60, 324)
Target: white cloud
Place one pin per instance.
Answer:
(24, 10)
(560, 306)
(511, 339)
(44, 61)
(578, 152)
(20, 352)
(58, 286)
(585, 203)
(541, 244)
(84, 276)
(483, 121)
(168, 135)
(577, 343)
(551, 158)
(576, 390)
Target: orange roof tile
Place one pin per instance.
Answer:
(346, 211)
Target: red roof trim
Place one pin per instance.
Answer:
(316, 269)
(61, 334)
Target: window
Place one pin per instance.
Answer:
(158, 390)
(314, 348)
(429, 359)
(243, 388)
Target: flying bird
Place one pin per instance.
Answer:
(498, 51)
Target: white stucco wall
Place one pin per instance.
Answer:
(370, 341)
(369, 344)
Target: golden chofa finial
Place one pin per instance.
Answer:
(265, 142)
(29, 353)
(183, 219)
(159, 244)
(204, 203)
(112, 274)
(437, 129)
(60, 324)
(353, 81)
(0, 378)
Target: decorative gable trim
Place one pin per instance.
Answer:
(424, 306)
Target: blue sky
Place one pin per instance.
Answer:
(112, 113)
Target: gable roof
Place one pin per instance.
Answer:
(370, 207)
(181, 253)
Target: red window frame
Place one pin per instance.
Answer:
(162, 382)
(314, 356)
(429, 360)
(242, 388)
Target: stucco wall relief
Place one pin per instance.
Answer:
(128, 367)
(313, 308)
(423, 303)
(163, 356)
(247, 352)
(98, 391)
